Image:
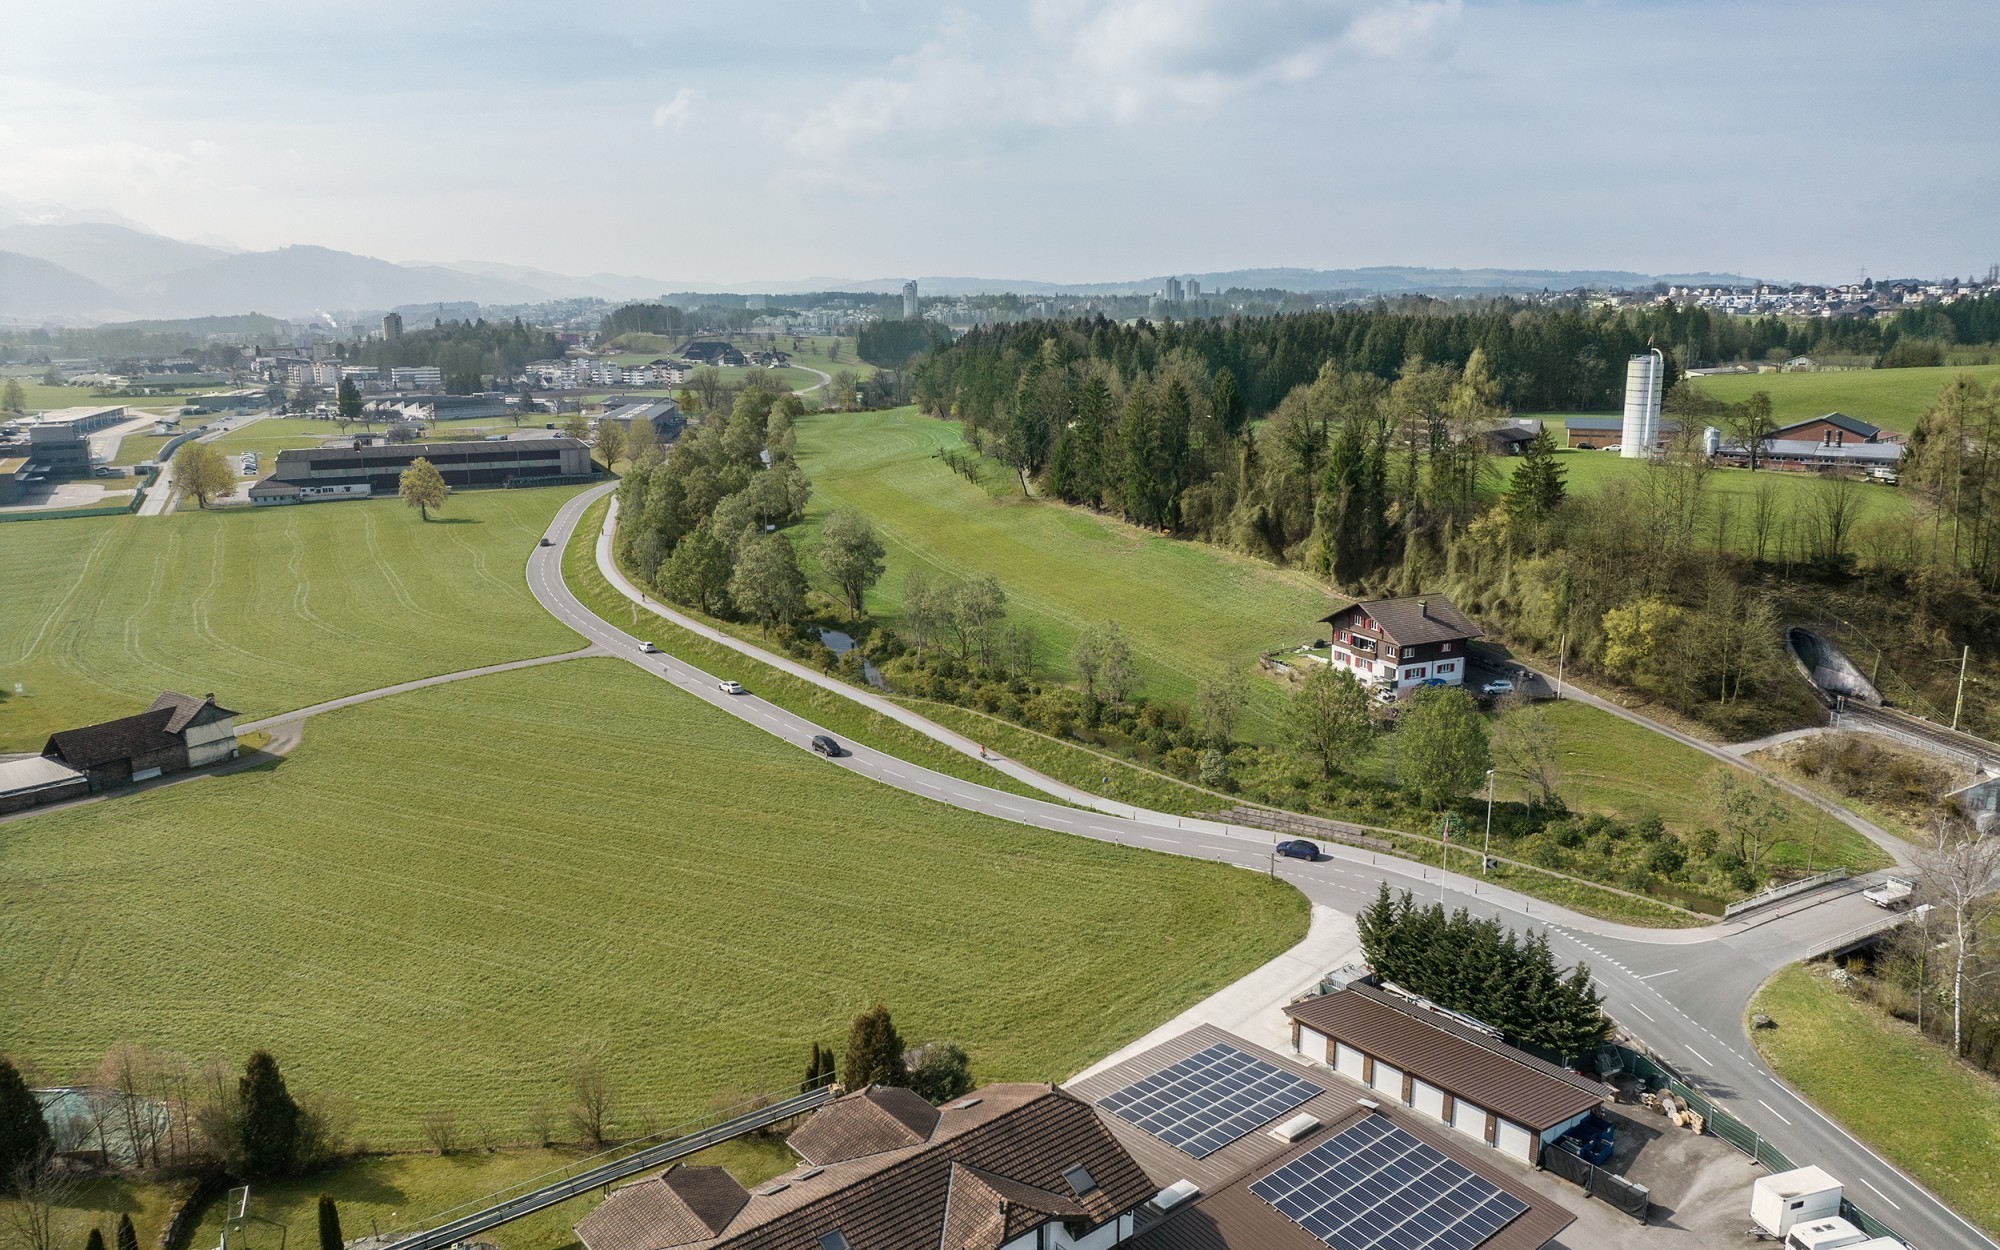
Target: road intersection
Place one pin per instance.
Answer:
(1683, 992)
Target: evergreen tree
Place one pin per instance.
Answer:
(1538, 486)
(1226, 403)
(128, 1237)
(24, 1134)
(819, 1069)
(874, 1052)
(268, 1132)
(347, 399)
(329, 1224)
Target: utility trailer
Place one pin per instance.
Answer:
(1892, 893)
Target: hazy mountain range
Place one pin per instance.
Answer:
(62, 268)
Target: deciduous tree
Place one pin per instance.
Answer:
(767, 582)
(697, 574)
(202, 473)
(422, 487)
(851, 554)
(1441, 746)
(1326, 718)
(611, 440)
(1525, 749)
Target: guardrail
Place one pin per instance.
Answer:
(1861, 933)
(1790, 889)
(618, 1169)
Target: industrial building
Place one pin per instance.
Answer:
(664, 415)
(55, 445)
(357, 469)
(1587, 433)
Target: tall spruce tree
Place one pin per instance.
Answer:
(1538, 487)
(24, 1134)
(874, 1052)
(268, 1132)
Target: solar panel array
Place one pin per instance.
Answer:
(1375, 1187)
(1209, 1099)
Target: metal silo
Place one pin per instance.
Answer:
(1643, 378)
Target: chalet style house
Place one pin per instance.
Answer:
(1397, 644)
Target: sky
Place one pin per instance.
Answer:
(1062, 140)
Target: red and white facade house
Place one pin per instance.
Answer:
(1399, 644)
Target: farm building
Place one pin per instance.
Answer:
(1253, 1151)
(1400, 643)
(1449, 1072)
(37, 779)
(1587, 433)
(176, 733)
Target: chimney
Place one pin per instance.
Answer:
(210, 696)
(1424, 608)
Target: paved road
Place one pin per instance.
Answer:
(160, 499)
(825, 379)
(1682, 991)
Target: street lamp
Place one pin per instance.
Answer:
(1486, 857)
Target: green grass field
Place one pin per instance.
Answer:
(272, 435)
(1189, 610)
(269, 608)
(1729, 490)
(1890, 398)
(146, 445)
(441, 898)
(1942, 1125)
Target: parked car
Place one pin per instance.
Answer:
(105, 470)
(729, 687)
(1499, 685)
(1298, 848)
(825, 746)
(648, 647)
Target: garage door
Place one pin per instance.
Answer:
(1312, 1045)
(1389, 1081)
(1513, 1141)
(1428, 1099)
(1347, 1060)
(1469, 1120)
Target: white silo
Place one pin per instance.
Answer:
(1643, 378)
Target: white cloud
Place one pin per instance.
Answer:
(1121, 61)
(674, 113)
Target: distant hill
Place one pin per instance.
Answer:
(114, 256)
(1384, 280)
(33, 287)
(611, 286)
(300, 280)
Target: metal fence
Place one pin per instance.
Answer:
(1630, 1197)
(1788, 890)
(1658, 1076)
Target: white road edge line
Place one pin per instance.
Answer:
(1774, 1111)
(1697, 1054)
(1879, 1194)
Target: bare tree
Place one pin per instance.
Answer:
(1958, 871)
(542, 1122)
(591, 1096)
(43, 1189)
(440, 1129)
(1525, 748)
(1830, 516)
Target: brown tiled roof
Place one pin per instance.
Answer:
(984, 1211)
(866, 1122)
(188, 710)
(1461, 1061)
(1026, 1135)
(1417, 619)
(680, 1205)
(94, 746)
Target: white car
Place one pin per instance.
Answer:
(648, 647)
(729, 687)
(1499, 685)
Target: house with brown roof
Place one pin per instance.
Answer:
(1497, 1096)
(1398, 644)
(1025, 1167)
(175, 733)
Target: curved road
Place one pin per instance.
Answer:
(1683, 991)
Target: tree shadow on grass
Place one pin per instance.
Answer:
(456, 520)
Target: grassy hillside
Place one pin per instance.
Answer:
(1890, 398)
(1943, 1124)
(1188, 609)
(271, 609)
(442, 898)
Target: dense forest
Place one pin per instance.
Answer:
(891, 344)
(1354, 444)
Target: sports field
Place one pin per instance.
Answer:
(1189, 610)
(270, 609)
(441, 898)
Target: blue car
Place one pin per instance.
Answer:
(1298, 848)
